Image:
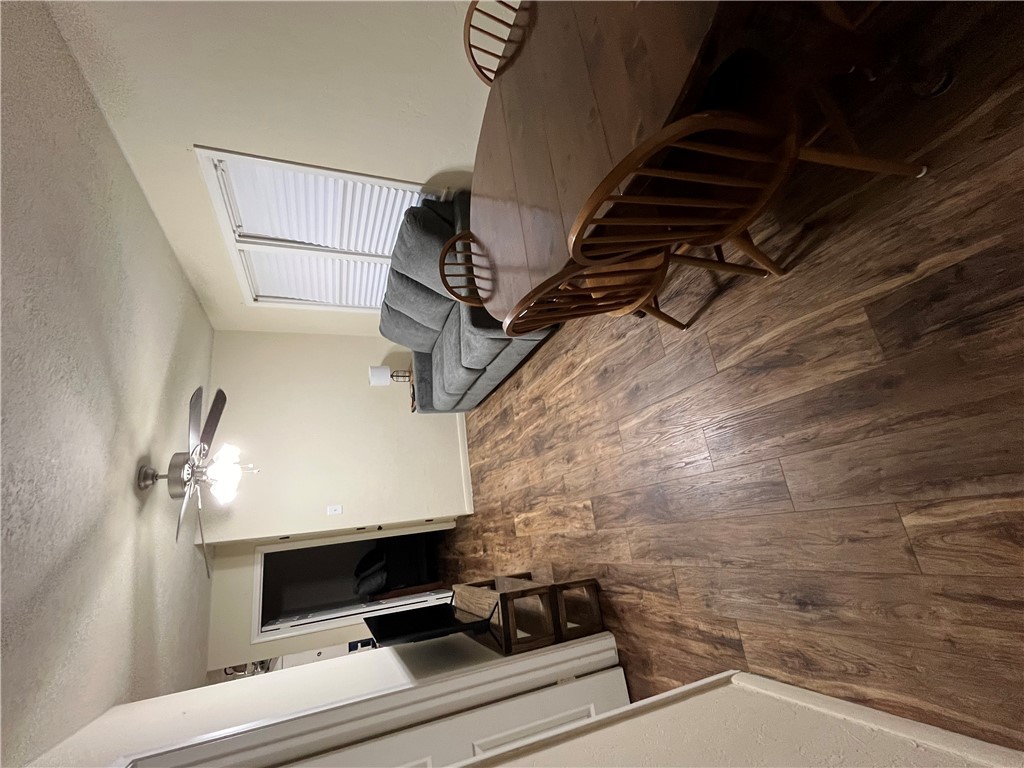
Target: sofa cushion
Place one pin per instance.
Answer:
(420, 238)
(443, 399)
(456, 376)
(479, 351)
(479, 321)
(479, 348)
(500, 367)
(402, 329)
(417, 301)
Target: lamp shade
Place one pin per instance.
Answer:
(380, 375)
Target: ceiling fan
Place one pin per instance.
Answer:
(189, 470)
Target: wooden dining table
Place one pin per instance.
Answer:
(590, 81)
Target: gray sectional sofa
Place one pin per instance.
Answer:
(460, 353)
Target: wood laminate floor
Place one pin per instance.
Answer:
(823, 480)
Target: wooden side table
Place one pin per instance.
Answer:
(525, 614)
(521, 611)
(578, 609)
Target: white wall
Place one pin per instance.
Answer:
(103, 342)
(741, 719)
(301, 409)
(369, 87)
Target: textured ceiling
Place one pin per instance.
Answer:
(372, 87)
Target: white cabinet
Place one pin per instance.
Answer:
(486, 729)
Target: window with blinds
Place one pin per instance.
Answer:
(304, 235)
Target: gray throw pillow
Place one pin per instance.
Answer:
(420, 238)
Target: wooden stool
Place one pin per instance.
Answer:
(522, 612)
(579, 611)
(526, 614)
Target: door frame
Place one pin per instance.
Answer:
(285, 740)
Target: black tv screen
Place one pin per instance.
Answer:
(298, 582)
(303, 583)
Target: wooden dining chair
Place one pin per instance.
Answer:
(699, 182)
(582, 291)
(465, 271)
(491, 36)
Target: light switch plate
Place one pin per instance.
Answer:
(334, 510)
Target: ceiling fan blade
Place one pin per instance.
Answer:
(195, 418)
(213, 418)
(184, 506)
(202, 538)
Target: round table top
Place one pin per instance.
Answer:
(591, 81)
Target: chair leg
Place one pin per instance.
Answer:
(718, 266)
(654, 310)
(834, 117)
(743, 242)
(861, 162)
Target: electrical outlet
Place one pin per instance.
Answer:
(334, 510)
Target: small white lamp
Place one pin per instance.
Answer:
(382, 375)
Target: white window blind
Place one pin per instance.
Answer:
(315, 278)
(304, 235)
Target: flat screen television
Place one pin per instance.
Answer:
(303, 582)
(313, 584)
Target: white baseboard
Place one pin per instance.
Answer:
(467, 480)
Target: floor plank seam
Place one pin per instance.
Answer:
(711, 458)
(910, 541)
(755, 515)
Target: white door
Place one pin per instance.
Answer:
(485, 729)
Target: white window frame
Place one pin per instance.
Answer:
(236, 240)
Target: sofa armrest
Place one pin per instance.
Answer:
(423, 387)
(479, 321)
(460, 205)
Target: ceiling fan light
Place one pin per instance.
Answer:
(224, 492)
(228, 454)
(224, 473)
